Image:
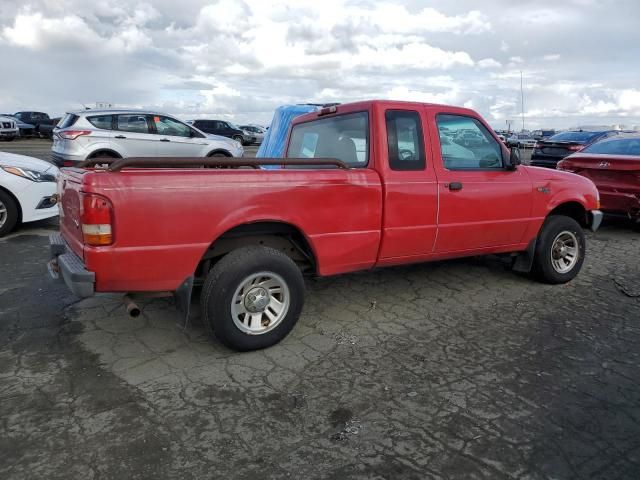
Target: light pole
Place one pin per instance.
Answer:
(522, 100)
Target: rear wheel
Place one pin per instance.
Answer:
(559, 251)
(252, 298)
(8, 213)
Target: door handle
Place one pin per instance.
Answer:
(120, 136)
(165, 140)
(453, 186)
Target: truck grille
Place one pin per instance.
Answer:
(7, 124)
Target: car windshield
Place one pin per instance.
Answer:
(582, 137)
(344, 137)
(616, 146)
(233, 125)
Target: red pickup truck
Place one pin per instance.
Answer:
(363, 185)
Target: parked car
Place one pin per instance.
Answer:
(613, 165)
(224, 129)
(86, 134)
(8, 128)
(27, 190)
(547, 153)
(521, 140)
(41, 121)
(255, 130)
(24, 129)
(247, 236)
(542, 134)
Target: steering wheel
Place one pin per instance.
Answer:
(406, 155)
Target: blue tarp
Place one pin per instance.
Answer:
(274, 141)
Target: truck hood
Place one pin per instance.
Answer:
(22, 161)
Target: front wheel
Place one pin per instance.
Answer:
(560, 250)
(252, 298)
(9, 213)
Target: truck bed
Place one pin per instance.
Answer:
(165, 219)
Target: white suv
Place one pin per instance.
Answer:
(133, 133)
(8, 128)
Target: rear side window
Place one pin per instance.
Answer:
(68, 120)
(617, 146)
(135, 123)
(574, 137)
(343, 137)
(101, 121)
(405, 140)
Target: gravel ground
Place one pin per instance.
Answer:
(456, 369)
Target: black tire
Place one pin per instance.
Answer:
(11, 214)
(543, 263)
(218, 155)
(228, 275)
(10, 139)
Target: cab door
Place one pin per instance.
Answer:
(409, 222)
(483, 205)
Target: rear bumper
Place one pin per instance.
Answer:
(621, 202)
(58, 158)
(68, 267)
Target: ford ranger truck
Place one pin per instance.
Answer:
(362, 185)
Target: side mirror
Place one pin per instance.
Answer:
(513, 161)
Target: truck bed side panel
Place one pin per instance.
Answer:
(165, 219)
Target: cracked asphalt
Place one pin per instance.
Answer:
(448, 370)
(453, 370)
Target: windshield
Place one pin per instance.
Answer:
(233, 125)
(581, 137)
(344, 137)
(616, 146)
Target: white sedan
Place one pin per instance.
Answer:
(27, 190)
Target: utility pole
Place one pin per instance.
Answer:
(522, 100)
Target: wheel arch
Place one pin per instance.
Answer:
(281, 235)
(572, 209)
(226, 153)
(110, 153)
(15, 199)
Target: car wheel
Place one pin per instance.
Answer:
(252, 298)
(10, 139)
(560, 250)
(8, 213)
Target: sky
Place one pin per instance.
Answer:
(237, 59)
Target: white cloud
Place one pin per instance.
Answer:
(489, 63)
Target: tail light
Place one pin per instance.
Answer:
(536, 145)
(97, 220)
(575, 148)
(73, 134)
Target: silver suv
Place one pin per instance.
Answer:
(87, 134)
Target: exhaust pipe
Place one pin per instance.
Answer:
(132, 307)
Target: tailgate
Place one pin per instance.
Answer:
(69, 186)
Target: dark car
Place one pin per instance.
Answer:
(224, 129)
(41, 121)
(542, 134)
(547, 153)
(614, 166)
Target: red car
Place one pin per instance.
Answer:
(364, 185)
(614, 166)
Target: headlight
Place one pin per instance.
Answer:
(33, 175)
